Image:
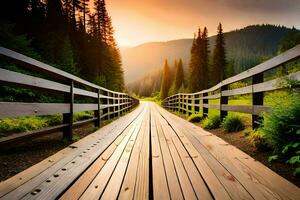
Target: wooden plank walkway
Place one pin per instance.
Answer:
(149, 154)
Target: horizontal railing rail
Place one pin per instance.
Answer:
(189, 103)
(107, 103)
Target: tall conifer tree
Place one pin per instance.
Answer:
(219, 58)
(194, 64)
(179, 76)
(85, 11)
(166, 84)
(204, 57)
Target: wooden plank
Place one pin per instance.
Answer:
(129, 182)
(97, 186)
(172, 178)
(116, 181)
(33, 180)
(238, 91)
(21, 178)
(11, 77)
(197, 183)
(215, 96)
(51, 190)
(185, 183)
(263, 176)
(141, 190)
(24, 80)
(85, 107)
(8, 109)
(274, 84)
(256, 109)
(213, 106)
(229, 182)
(86, 93)
(12, 109)
(76, 190)
(257, 184)
(217, 189)
(159, 177)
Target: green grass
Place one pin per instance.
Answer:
(22, 124)
(25, 124)
(155, 99)
(79, 116)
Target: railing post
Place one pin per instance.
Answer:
(257, 98)
(178, 103)
(197, 103)
(223, 100)
(184, 104)
(68, 117)
(190, 104)
(97, 112)
(174, 103)
(204, 101)
(106, 110)
(193, 104)
(119, 105)
(128, 103)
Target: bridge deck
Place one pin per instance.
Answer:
(149, 153)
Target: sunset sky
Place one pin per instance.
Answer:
(139, 21)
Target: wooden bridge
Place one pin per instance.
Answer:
(149, 153)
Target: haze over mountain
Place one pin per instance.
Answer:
(245, 48)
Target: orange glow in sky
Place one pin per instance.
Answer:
(140, 21)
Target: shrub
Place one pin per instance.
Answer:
(281, 128)
(195, 118)
(53, 120)
(232, 123)
(211, 122)
(21, 124)
(79, 116)
(259, 141)
(282, 125)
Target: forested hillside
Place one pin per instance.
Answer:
(75, 36)
(245, 48)
(241, 49)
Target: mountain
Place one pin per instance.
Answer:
(245, 48)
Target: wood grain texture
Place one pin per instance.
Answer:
(149, 154)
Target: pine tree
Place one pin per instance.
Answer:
(102, 19)
(85, 11)
(67, 36)
(204, 60)
(219, 58)
(165, 85)
(92, 24)
(194, 66)
(179, 76)
(70, 8)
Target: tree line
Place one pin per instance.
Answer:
(203, 71)
(76, 36)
